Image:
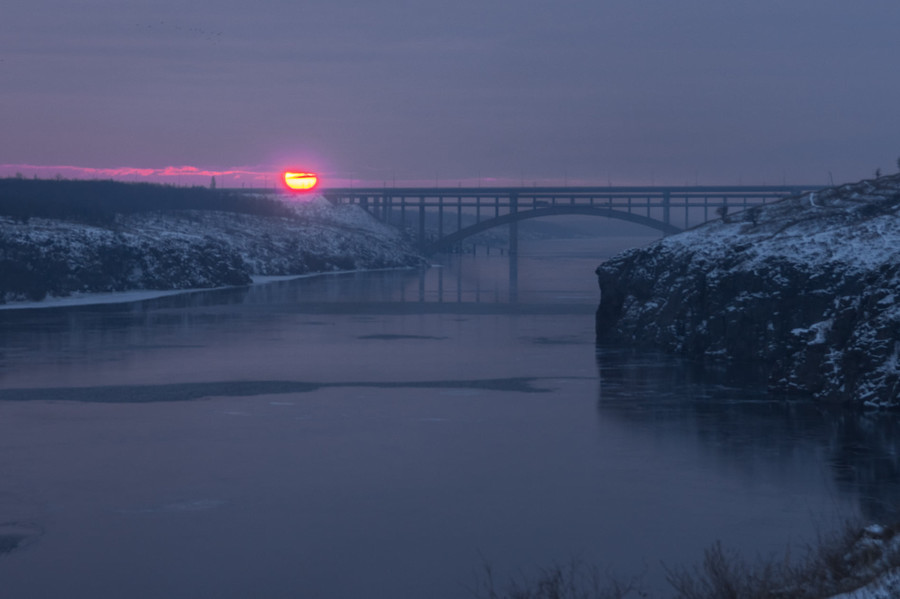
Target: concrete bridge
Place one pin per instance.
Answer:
(461, 212)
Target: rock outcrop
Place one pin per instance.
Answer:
(806, 288)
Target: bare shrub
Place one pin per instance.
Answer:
(575, 580)
(725, 575)
(837, 562)
(847, 558)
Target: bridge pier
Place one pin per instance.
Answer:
(667, 199)
(440, 232)
(421, 222)
(513, 278)
(514, 225)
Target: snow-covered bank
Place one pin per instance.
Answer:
(885, 587)
(90, 299)
(127, 297)
(806, 287)
(158, 252)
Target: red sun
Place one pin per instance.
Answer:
(297, 181)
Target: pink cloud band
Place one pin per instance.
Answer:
(261, 176)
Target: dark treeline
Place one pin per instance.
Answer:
(97, 202)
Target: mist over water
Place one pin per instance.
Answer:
(385, 434)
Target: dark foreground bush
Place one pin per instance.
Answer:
(576, 580)
(840, 562)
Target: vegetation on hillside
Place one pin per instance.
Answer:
(97, 202)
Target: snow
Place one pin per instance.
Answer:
(811, 227)
(820, 329)
(807, 285)
(127, 297)
(872, 559)
(885, 587)
(875, 530)
(146, 255)
(85, 299)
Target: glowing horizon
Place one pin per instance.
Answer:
(259, 176)
(272, 177)
(300, 181)
(183, 174)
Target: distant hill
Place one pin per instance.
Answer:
(59, 238)
(98, 202)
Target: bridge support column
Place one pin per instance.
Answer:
(514, 248)
(513, 278)
(513, 224)
(421, 222)
(667, 198)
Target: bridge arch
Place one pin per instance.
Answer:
(451, 239)
(520, 203)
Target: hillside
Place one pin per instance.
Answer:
(56, 249)
(805, 289)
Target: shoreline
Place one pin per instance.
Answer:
(140, 295)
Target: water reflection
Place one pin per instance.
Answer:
(464, 285)
(732, 417)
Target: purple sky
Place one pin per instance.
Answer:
(419, 91)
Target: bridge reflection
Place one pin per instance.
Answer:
(464, 283)
(480, 283)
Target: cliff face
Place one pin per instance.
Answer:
(808, 288)
(184, 249)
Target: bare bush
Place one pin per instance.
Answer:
(850, 557)
(726, 575)
(838, 562)
(575, 580)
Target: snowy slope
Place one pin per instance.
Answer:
(806, 287)
(190, 249)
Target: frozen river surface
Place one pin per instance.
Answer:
(385, 435)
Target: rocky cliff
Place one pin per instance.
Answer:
(806, 288)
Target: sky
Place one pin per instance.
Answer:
(434, 92)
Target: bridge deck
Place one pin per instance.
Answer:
(476, 209)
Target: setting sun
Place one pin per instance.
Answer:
(300, 181)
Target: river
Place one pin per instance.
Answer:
(387, 434)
